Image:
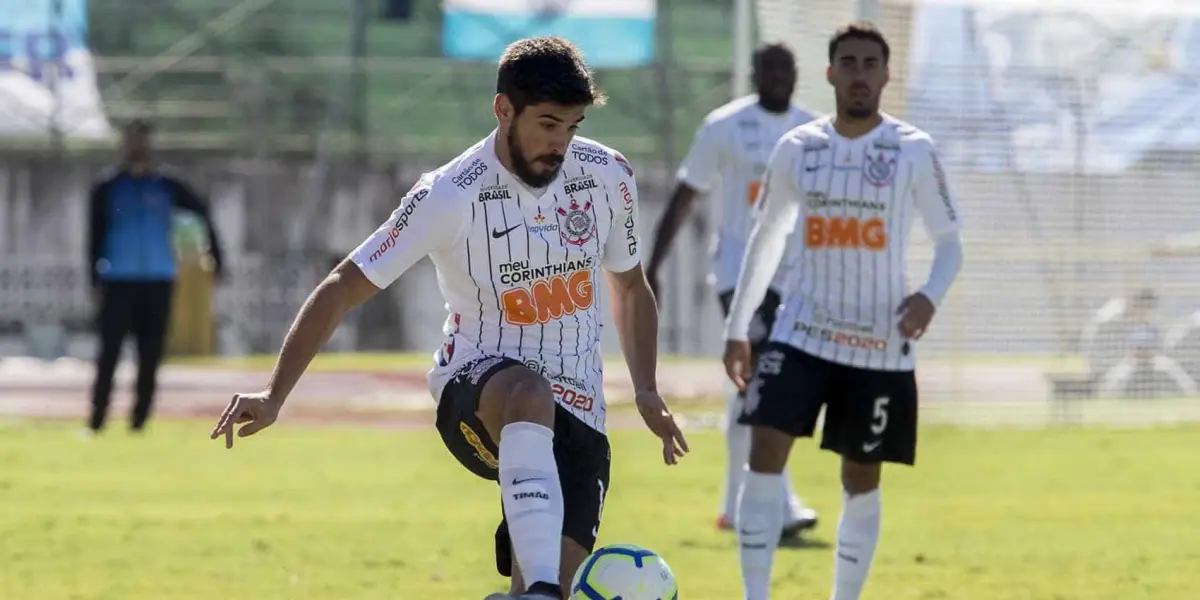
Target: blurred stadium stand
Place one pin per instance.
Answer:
(275, 76)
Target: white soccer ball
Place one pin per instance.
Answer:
(624, 572)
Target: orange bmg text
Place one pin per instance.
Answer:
(845, 232)
(548, 299)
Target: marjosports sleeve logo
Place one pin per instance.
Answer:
(943, 190)
(406, 210)
(630, 226)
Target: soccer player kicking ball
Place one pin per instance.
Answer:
(837, 207)
(518, 227)
(733, 145)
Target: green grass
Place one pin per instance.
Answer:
(343, 514)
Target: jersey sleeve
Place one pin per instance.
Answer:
(703, 160)
(621, 249)
(934, 200)
(422, 224)
(777, 197)
(776, 211)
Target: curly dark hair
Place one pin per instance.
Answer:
(546, 69)
(859, 30)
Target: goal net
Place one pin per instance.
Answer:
(1071, 130)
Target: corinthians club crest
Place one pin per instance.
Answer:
(578, 227)
(879, 170)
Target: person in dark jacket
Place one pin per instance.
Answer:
(132, 264)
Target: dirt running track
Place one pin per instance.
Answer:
(60, 389)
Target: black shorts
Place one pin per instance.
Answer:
(764, 315)
(582, 454)
(870, 415)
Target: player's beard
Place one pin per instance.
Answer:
(861, 112)
(775, 103)
(863, 109)
(523, 168)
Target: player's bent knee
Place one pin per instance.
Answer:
(769, 449)
(860, 478)
(514, 395)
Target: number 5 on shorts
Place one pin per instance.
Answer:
(879, 419)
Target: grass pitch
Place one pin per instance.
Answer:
(339, 513)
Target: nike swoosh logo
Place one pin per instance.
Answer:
(871, 446)
(527, 480)
(496, 233)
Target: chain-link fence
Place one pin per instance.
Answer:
(1069, 128)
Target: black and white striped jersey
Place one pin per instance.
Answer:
(518, 267)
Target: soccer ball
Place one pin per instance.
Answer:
(624, 572)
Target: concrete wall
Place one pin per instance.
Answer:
(1042, 252)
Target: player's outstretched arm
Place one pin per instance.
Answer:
(679, 208)
(939, 213)
(414, 230)
(342, 290)
(777, 211)
(696, 174)
(636, 316)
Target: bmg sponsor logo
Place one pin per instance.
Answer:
(470, 174)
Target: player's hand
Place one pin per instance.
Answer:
(258, 411)
(737, 363)
(662, 423)
(916, 312)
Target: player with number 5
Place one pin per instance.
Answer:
(839, 198)
(726, 162)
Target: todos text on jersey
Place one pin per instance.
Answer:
(468, 175)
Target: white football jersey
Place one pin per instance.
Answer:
(846, 256)
(518, 268)
(726, 161)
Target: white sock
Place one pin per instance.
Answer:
(532, 498)
(857, 536)
(792, 502)
(737, 446)
(760, 521)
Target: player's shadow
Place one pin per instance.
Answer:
(804, 543)
(800, 543)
